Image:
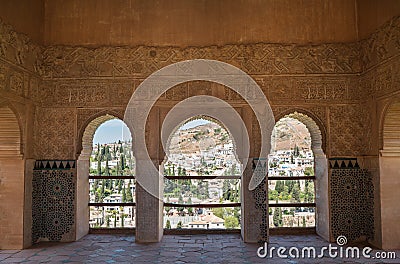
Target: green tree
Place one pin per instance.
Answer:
(296, 192)
(120, 185)
(309, 171)
(122, 219)
(167, 208)
(277, 217)
(115, 217)
(168, 224)
(108, 220)
(225, 190)
(99, 166)
(179, 225)
(290, 185)
(107, 167)
(296, 151)
(280, 186)
(117, 169)
(218, 211)
(102, 190)
(124, 194)
(231, 222)
(180, 201)
(129, 197)
(309, 192)
(122, 163)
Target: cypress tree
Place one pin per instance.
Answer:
(99, 166)
(179, 225)
(124, 194)
(122, 220)
(129, 197)
(120, 186)
(168, 224)
(107, 167)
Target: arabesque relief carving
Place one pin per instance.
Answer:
(310, 77)
(54, 133)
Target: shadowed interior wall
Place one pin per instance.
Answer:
(198, 23)
(26, 16)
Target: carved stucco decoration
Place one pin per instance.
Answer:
(84, 93)
(63, 61)
(383, 80)
(310, 89)
(333, 77)
(54, 133)
(17, 83)
(350, 127)
(18, 49)
(3, 77)
(382, 45)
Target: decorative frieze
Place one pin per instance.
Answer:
(78, 62)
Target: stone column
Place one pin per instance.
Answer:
(254, 226)
(254, 209)
(149, 207)
(322, 221)
(12, 184)
(82, 196)
(29, 165)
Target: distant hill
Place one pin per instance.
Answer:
(289, 132)
(286, 134)
(199, 138)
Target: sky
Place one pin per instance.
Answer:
(194, 123)
(111, 131)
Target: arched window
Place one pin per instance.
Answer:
(106, 176)
(202, 177)
(298, 176)
(291, 191)
(111, 177)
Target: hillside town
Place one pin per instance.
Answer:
(206, 150)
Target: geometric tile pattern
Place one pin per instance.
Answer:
(343, 163)
(54, 164)
(259, 167)
(53, 200)
(260, 196)
(352, 200)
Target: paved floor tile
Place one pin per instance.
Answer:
(173, 249)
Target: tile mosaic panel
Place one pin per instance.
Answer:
(53, 200)
(352, 199)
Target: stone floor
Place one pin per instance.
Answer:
(172, 249)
